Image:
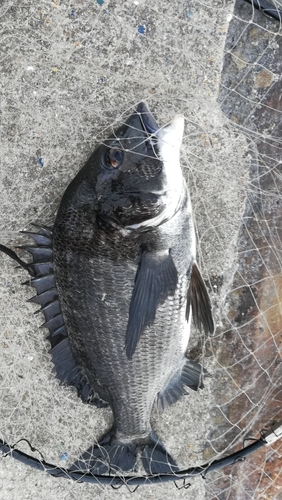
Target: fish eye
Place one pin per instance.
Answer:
(151, 142)
(114, 157)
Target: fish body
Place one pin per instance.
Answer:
(124, 281)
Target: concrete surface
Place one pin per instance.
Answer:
(70, 70)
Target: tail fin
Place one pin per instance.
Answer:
(155, 458)
(111, 456)
(108, 456)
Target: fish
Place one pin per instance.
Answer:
(118, 282)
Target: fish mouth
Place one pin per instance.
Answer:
(147, 119)
(171, 134)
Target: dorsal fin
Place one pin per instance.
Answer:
(42, 279)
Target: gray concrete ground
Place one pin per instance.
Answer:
(71, 70)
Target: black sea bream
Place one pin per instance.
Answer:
(117, 281)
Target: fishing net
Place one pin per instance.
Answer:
(72, 72)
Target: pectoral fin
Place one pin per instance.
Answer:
(155, 280)
(198, 299)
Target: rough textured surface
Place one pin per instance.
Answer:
(251, 345)
(68, 72)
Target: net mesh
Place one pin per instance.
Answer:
(70, 73)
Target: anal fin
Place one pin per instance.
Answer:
(191, 375)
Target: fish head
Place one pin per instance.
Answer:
(138, 181)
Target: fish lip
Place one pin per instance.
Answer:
(147, 119)
(159, 192)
